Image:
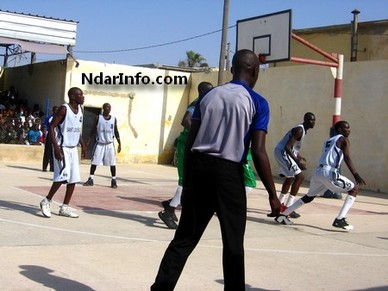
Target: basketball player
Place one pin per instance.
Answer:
(327, 176)
(104, 152)
(291, 163)
(65, 131)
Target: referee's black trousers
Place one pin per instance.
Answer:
(215, 186)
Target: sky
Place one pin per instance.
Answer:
(160, 32)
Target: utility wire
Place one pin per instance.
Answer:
(151, 46)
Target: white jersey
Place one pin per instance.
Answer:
(105, 129)
(331, 154)
(68, 133)
(295, 149)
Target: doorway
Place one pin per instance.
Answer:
(90, 114)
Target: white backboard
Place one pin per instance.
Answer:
(268, 35)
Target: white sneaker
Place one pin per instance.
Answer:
(65, 210)
(283, 219)
(45, 207)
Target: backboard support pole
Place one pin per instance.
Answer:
(337, 61)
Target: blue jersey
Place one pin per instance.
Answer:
(229, 114)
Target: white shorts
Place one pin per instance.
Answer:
(287, 166)
(104, 154)
(326, 177)
(67, 170)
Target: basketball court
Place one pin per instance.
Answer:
(118, 240)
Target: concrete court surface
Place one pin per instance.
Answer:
(118, 240)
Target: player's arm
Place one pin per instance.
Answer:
(83, 147)
(57, 120)
(117, 135)
(186, 120)
(263, 167)
(296, 134)
(344, 144)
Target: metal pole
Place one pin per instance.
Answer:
(338, 90)
(227, 67)
(354, 38)
(221, 66)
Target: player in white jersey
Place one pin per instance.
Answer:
(327, 176)
(291, 163)
(104, 152)
(65, 130)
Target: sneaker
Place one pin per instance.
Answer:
(282, 219)
(342, 223)
(166, 216)
(166, 206)
(166, 203)
(65, 210)
(294, 215)
(89, 182)
(113, 183)
(45, 207)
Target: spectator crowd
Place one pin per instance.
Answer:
(19, 124)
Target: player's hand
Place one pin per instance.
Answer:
(302, 163)
(275, 206)
(83, 153)
(359, 180)
(58, 153)
(119, 148)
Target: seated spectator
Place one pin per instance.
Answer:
(26, 129)
(34, 135)
(7, 132)
(37, 113)
(30, 119)
(19, 132)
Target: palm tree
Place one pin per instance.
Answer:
(193, 60)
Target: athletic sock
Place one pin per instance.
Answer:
(114, 178)
(293, 207)
(290, 200)
(91, 177)
(282, 197)
(349, 200)
(176, 200)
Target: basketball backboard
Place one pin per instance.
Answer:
(268, 35)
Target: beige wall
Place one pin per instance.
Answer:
(292, 91)
(150, 122)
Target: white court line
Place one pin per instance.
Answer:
(79, 232)
(199, 245)
(302, 252)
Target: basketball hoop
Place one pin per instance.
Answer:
(261, 59)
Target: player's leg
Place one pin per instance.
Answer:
(72, 162)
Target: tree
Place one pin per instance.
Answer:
(193, 60)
